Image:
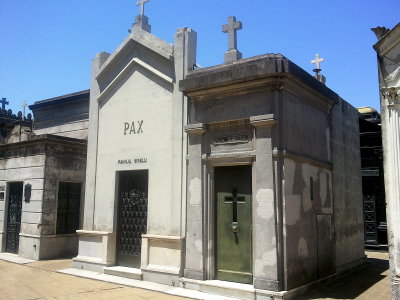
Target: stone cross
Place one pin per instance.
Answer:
(23, 105)
(317, 62)
(141, 4)
(231, 29)
(3, 103)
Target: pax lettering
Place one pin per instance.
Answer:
(135, 127)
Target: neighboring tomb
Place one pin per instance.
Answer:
(268, 176)
(375, 225)
(42, 179)
(388, 55)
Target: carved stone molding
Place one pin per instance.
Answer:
(380, 31)
(392, 95)
(262, 120)
(195, 129)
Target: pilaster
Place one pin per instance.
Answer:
(391, 145)
(195, 240)
(266, 275)
(91, 166)
(185, 44)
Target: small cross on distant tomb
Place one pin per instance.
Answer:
(317, 61)
(23, 105)
(141, 3)
(231, 29)
(3, 103)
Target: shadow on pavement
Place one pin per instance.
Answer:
(351, 285)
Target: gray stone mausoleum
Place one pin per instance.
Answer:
(42, 175)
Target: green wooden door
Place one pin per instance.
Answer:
(233, 224)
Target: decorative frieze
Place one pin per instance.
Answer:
(233, 139)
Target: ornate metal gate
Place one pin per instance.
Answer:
(370, 223)
(14, 217)
(132, 216)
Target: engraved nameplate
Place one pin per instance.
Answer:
(234, 139)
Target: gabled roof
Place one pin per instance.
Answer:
(138, 38)
(143, 38)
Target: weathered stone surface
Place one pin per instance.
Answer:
(388, 50)
(251, 69)
(292, 156)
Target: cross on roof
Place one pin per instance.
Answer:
(231, 29)
(141, 4)
(3, 103)
(317, 62)
(23, 105)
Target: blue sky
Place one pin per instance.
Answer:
(47, 45)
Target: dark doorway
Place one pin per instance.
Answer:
(132, 216)
(14, 216)
(68, 207)
(233, 195)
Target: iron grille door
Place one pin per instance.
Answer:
(371, 234)
(68, 211)
(14, 217)
(132, 221)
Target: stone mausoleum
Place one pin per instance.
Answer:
(42, 175)
(241, 179)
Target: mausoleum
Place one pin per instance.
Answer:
(42, 175)
(241, 179)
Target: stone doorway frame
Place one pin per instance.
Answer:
(210, 204)
(266, 191)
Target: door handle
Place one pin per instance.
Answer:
(235, 227)
(235, 231)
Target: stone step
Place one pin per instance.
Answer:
(232, 290)
(228, 289)
(125, 272)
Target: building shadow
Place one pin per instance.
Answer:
(352, 285)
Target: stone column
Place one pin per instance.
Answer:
(195, 252)
(265, 273)
(91, 165)
(391, 148)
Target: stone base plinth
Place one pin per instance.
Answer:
(232, 55)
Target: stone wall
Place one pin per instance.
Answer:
(69, 118)
(347, 186)
(308, 197)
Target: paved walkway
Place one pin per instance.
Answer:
(371, 282)
(38, 280)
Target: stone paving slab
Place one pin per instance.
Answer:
(38, 280)
(52, 265)
(371, 282)
(21, 282)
